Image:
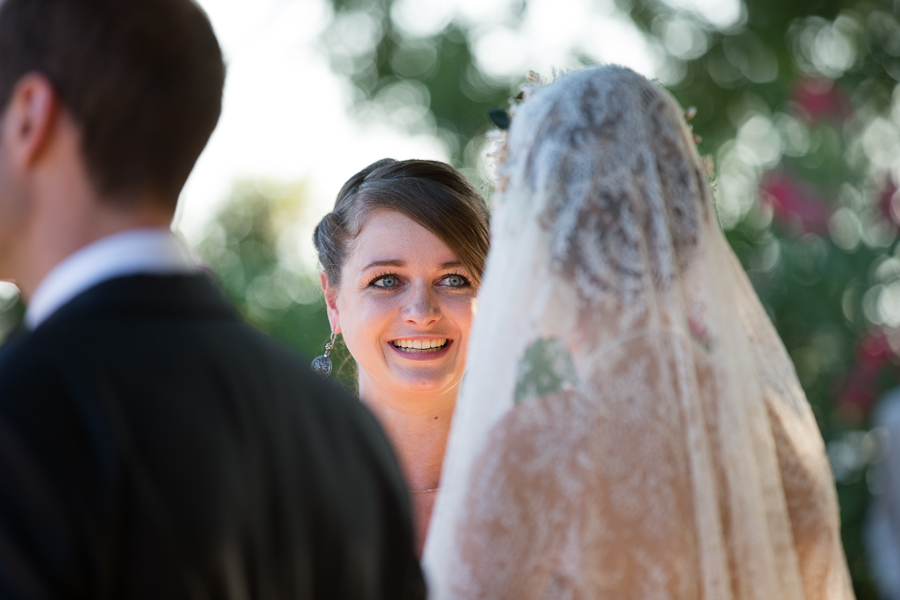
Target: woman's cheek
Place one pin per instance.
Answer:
(463, 308)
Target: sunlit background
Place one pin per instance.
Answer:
(798, 106)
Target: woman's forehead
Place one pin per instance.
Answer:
(388, 235)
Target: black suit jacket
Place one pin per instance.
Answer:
(153, 445)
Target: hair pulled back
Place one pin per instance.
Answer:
(431, 193)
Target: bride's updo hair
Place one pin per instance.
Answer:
(431, 193)
(622, 185)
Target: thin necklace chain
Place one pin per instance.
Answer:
(437, 489)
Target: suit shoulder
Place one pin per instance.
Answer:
(335, 407)
(26, 362)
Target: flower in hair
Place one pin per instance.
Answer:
(497, 152)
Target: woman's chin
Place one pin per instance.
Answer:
(424, 379)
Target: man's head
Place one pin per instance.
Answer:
(105, 106)
(142, 80)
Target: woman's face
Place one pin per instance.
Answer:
(404, 307)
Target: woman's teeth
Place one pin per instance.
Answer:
(419, 345)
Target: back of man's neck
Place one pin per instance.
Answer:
(53, 240)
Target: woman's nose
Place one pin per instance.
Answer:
(422, 309)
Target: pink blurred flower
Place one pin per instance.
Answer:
(889, 200)
(856, 398)
(858, 389)
(874, 352)
(795, 204)
(817, 99)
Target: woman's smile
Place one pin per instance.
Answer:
(422, 349)
(420, 345)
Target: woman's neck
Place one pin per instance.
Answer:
(417, 426)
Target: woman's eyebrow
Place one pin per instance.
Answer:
(383, 263)
(400, 263)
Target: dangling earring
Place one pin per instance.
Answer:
(321, 365)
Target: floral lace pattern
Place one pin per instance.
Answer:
(630, 425)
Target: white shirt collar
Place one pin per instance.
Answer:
(153, 251)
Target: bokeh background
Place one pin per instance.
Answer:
(798, 105)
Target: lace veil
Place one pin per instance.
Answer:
(630, 425)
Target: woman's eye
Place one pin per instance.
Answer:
(455, 281)
(388, 281)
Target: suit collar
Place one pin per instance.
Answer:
(192, 296)
(137, 251)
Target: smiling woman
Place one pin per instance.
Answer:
(402, 256)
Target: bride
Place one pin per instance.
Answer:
(630, 425)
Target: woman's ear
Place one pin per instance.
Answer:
(330, 293)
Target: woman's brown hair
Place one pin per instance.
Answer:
(431, 193)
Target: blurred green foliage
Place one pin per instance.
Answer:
(251, 248)
(11, 309)
(248, 249)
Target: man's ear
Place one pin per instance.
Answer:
(30, 118)
(330, 293)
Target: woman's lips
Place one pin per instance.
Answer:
(413, 344)
(421, 353)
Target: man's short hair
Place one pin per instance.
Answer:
(142, 79)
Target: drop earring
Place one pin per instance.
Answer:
(321, 365)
